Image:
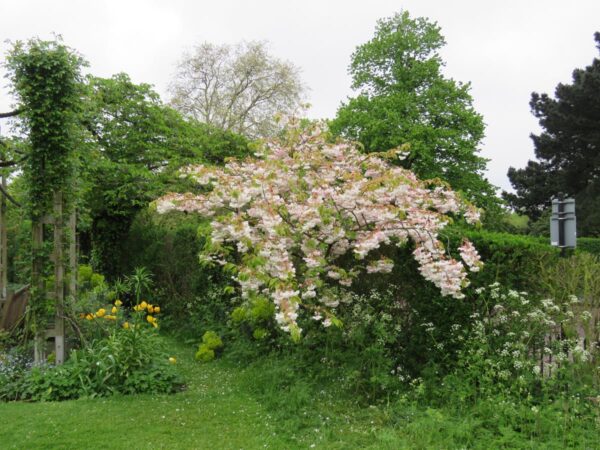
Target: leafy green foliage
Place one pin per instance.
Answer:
(121, 353)
(274, 400)
(512, 260)
(136, 146)
(212, 340)
(403, 98)
(87, 279)
(210, 346)
(47, 82)
(105, 367)
(590, 245)
(204, 353)
(566, 151)
(255, 318)
(168, 246)
(140, 282)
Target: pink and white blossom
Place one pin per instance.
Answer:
(292, 212)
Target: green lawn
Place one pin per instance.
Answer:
(214, 412)
(221, 409)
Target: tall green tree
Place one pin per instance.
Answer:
(136, 144)
(567, 151)
(403, 98)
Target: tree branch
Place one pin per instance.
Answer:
(9, 197)
(16, 112)
(14, 162)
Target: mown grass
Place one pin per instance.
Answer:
(271, 405)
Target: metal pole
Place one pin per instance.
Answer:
(561, 226)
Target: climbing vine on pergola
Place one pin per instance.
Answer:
(47, 84)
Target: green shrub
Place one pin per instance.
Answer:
(168, 246)
(260, 333)
(211, 344)
(512, 260)
(239, 315)
(125, 356)
(255, 318)
(205, 353)
(212, 340)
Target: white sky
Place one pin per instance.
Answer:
(506, 49)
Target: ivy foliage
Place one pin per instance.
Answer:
(46, 80)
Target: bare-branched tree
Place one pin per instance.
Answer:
(238, 88)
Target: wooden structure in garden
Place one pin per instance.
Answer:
(58, 222)
(13, 305)
(8, 306)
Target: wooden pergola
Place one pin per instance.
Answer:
(13, 305)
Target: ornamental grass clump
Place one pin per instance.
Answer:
(283, 221)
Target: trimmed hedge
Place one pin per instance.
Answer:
(590, 245)
(512, 260)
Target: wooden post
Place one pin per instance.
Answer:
(3, 245)
(73, 254)
(59, 280)
(37, 285)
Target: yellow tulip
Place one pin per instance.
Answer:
(143, 305)
(150, 319)
(110, 317)
(150, 309)
(118, 302)
(100, 312)
(114, 310)
(126, 325)
(172, 360)
(89, 317)
(156, 309)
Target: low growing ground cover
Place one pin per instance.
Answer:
(271, 404)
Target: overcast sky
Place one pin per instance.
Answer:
(506, 49)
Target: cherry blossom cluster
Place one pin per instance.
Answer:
(284, 219)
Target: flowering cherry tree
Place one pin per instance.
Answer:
(282, 221)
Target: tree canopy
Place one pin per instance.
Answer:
(567, 151)
(403, 98)
(236, 88)
(136, 144)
